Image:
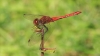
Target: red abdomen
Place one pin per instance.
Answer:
(65, 16)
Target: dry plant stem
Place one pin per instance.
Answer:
(42, 42)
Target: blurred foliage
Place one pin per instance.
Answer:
(75, 36)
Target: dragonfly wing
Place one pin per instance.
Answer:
(31, 16)
(34, 39)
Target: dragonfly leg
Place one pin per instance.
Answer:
(46, 29)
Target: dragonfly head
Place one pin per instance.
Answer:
(36, 22)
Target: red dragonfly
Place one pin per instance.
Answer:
(46, 19)
(40, 23)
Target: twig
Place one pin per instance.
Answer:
(42, 42)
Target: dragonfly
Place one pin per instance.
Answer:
(40, 22)
(47, 19)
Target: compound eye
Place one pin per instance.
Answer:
(36, 22)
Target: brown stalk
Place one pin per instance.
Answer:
(42, 42)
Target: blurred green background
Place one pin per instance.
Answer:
(73, 36)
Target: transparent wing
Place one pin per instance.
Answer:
(34, 38)
(31, 16)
